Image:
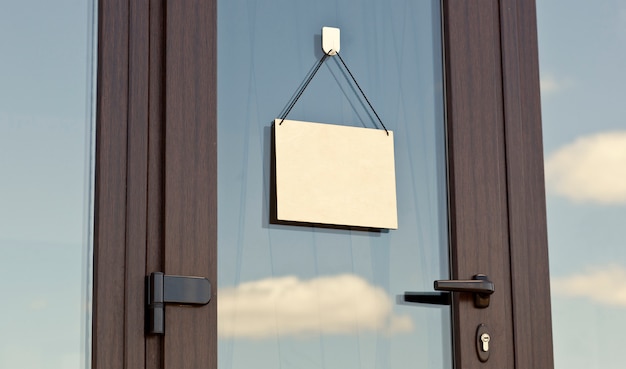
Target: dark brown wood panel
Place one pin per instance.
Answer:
(110, 187)
(156, 161)
(527, 213)
(190, 235)
(477, 174)
(137, 169)
(121, 185)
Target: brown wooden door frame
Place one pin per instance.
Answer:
(477, 175)
(129, 200)
(155, 202)
(497, 201)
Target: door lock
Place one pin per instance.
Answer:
(484, 338)
(482, 343)
(164, 289)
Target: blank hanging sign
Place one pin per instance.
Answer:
(332, 174)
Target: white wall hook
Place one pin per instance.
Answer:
(331, 42)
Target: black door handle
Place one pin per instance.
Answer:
(479, 285)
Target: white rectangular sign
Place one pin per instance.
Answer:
(334, 174)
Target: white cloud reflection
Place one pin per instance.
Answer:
(341, 304)
(604, 285)
(591, 169)
(550, 85)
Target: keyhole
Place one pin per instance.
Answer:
(482, 342)
(485, 338)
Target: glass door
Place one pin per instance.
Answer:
(585, 145)
(310, 296)
(313, 296)
(185, 169)
(46, 183)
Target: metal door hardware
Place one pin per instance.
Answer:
(484, 338)
(164, 289)
(482, 343)
(431, 298)
(480, 286)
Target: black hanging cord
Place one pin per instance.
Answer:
(304, 86)
(362, 93)
(308, 80)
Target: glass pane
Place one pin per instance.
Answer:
(582, 58)
(46, 127)
(314, 297)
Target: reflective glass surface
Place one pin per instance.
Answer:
(46, 74)
(582, 58)
(297, 296)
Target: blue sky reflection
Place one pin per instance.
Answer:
(582, 58)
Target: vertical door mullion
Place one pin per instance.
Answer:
(108, 344)
(530, 276)
(136, 188)
(190, 205)
(477, 174)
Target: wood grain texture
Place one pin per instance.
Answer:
(121, 195)
(190, 183)
(136, 188)
(110, 186)
(477, 174)
(156, 161)
(527, 215)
